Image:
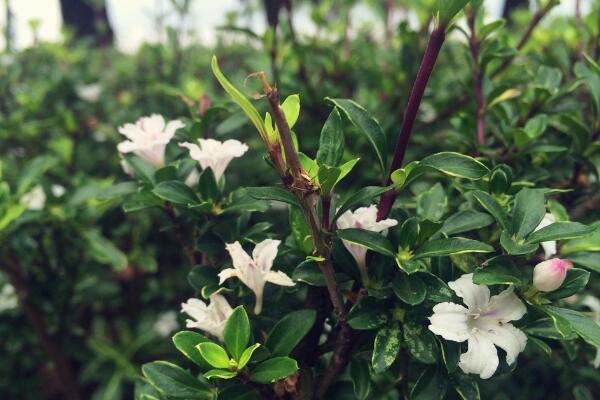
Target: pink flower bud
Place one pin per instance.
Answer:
(550, 274)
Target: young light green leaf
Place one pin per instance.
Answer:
(247, 355)
(237, 332)
(240, 99)
(186, 342)
(367, 125)
(220, 373)
(214, 354)
(291, 109)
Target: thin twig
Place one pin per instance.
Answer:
(434, 45)
(62, 369)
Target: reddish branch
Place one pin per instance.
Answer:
(474, 46)
(62, 370)
(436, 40)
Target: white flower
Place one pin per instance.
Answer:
(166, 323)
(148, 138)
(363, 218)
(214, 154)
(594, 304)
(8, 298)
(255, 272)
(57, 190)
(35, 198)
(89, 93)
(483, 324)
(550, 246)
(550, 274)
(209, 318)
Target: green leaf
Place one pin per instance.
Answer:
(240, 99)
(237, 332)
(166, 173)
(516, 248)
(367, 314)
(186, 342)
(175, 382)
(449, 246)
(142, 169)
(214, 354)
(367, 125)
(528, 212)
(421, 343)
(220, 373)
(499, 270)
(587, 260)
(11, 213)
(361, 378)
(448, 9)
(464, 221)
(208, 186)
(331, 142)
(273, 193)
(492, 207)
(328, 177)
(409, 288)
(432, 203)
(560, 231)
(581, 324)
(371, 240)
(437, 290)
(575, 282)
(33, 170)
(386, 347)
(273, 370)
(431, 385)
(201, 276)
(289, 331)
(247, 355)
(300, 230)
(466, 387)
(409, 233)
(455, 164)
(360, 196)
(176, 192)
(104, 251)
(291, 109)
(587, 243)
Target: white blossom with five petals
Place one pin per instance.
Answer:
(216, 155)
(363, 218)
(210, 318)
(148, 138)
(255, 271)
(483, 324)
(549, 246)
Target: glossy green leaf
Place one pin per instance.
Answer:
(186, 342)
(175, 192)
(367, 125)
(575, 282)
(455, 164)
(361, 378)
(371, 240)
(359, 197)
(499, 270)
(420, 342)
(528, 211)
(237, 332)
(273, 193)
(560, 231)
(247, 355)
(492, 207)
(331, 142)
(386, 347)
(367, 314)
(449, 246)
(431, 385)
(142, 169)
(175, 382)
(432, 203)
(465, 221)
(409, 288)
(273, 370)
(214, 354)
(580, 323)
(289, 331)
(291, 109)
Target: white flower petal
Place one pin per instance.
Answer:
(279, 278)
(449, 320)
(505, 336)
(505, 306)
(476, 297)
(265, 253)
(240, 258)
(550, 246)
(481, 357)
(226, 274)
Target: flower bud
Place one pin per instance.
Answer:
(550, 274)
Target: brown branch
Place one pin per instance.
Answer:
(436, 40)
(535, 20)
(587, 206)
(474, 45)
(62, 370)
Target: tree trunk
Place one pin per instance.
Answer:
(89, 20)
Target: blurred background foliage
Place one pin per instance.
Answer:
(98, 286)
